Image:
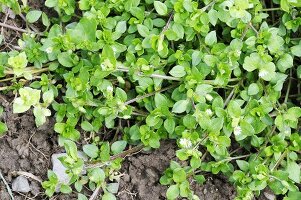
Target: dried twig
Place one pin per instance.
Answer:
(27, 174)
(7, 186)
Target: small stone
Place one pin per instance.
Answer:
(269, 196)
(20, 184)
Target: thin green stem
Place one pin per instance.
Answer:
(270, 9)
(235, 158)
(149, 94)
(288, 87)
(279, 161)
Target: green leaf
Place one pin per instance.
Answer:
(108, 196)
(285, 62)
(65, 189)
(81, 197)
(143, 30)
(84, 31)
(293, 170)
(243, 165)
(97, 175)
(172, 192)
(118, 146)
(121, 27)
(252, 62)
(196, 58)
(3, 129)
(285, 5)
(160, 100)
(33, 16)
(160, 7)
(213, 16)
(91, 150)
(179, 175)
(253, 89)
(86, 126)
(178, 71)
(65, 59)
(169, 125)
(296, 50)
(45, 20)
(234, 109)
(180, 106)
(267, 71)
(210, 38)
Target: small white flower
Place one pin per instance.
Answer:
(262, 73)
(209, 112)
(49, 50)
(237, 130)
(208, 97)
(185, 143)
(109, 89)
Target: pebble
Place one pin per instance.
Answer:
(20, 184)
(269, 196)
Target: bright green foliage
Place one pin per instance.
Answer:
(221, 78)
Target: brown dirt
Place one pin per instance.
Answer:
(25, 148)
(143, 171)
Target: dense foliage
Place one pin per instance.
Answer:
(220, 77)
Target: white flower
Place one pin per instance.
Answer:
(109, 89)
(237, 130)
(185, 143)
(49, 50)
(208, 97)
(262, 73)
(209, 112)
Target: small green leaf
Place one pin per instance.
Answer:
(210, 38)
(81, 197)
(3, 128)
(179, 175)
(65, 189)
(180, 106)
(296, 50)
(172, 192)
(108, 196)
(285, 62)
(160, 7)
(118, 146)
(91, 150)
(253, 89)
(178, 71)
(97, 175)
(234, 109)
(86, 126)
(143, 30)
(293, 170)
(33, 16)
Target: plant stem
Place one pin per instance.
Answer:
(235, 158)
(253, 28)
(152, 75)
(16, 28)
(4, 88)
(229, 97)
(270, 9)
(148, 95)
(120, 155)
(208, 5)
(7, 186)
(288, 87)
(279, 161)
